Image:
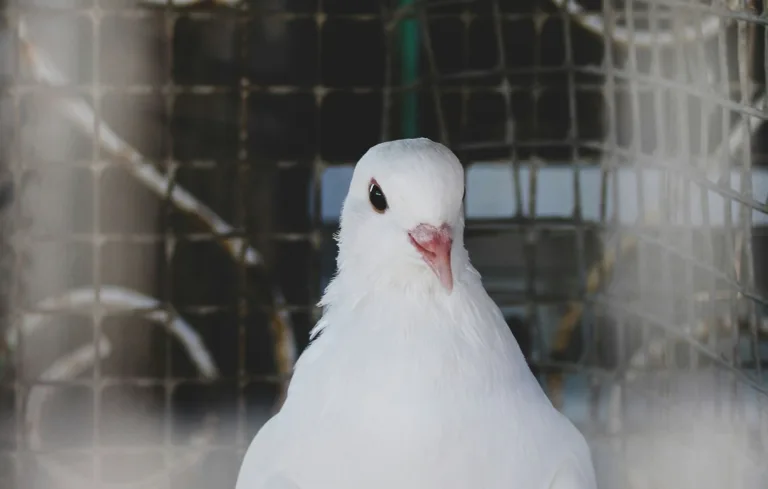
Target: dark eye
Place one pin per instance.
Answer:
(376, 196)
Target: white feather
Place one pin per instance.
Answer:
(410, 387)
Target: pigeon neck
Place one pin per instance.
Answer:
(392, 285)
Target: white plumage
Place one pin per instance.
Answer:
(416, 382)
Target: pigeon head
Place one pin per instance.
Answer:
(402, 221)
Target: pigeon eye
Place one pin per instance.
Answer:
(376, 196)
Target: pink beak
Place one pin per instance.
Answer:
(434, 244)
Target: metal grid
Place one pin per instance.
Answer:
(229, 113)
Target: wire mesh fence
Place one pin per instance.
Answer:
(172, 173)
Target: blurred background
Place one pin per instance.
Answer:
(172, 172)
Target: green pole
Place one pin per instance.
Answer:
(409, 69)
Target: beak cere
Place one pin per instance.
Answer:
(434, 245)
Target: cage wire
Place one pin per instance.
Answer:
(167, 232)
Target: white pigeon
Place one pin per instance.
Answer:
(416, 381)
